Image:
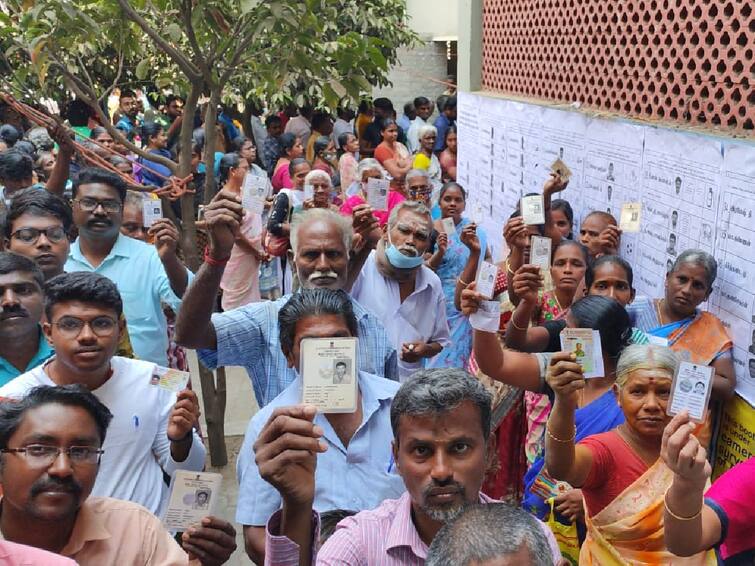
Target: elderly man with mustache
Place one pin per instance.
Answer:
(248, 336)
(406, 295)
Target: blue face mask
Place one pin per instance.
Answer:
(399, 260)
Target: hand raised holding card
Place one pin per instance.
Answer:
(527, 282)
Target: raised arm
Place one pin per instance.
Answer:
(194, 327)
(470, 239)
(517, 237)
(725, 380)
(366, 226)
(166, 237)
(563, 460)
(553, 185)
(60, 172)
(526, 284)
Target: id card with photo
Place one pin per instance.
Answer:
(193, 496)
(630, 217)
(377, 193)
(533, 210)
(449, 226)
(486, 279)
(585, 344)
(254, 193)
(561, 169)
(171, 379)
(487, 318)
(152, 210)
(690, 390)
(329, 374)
(540, 252)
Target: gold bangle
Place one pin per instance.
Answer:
(515, 326)
(460, 280)
(507, 265)
(674, 515)
(550, 435)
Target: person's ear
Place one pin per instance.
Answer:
(632, 295)
(47, 331)
(394, 454)
(291, 256)
(616, 393)
(707, 295)
(290, 359)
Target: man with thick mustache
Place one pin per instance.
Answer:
(145, 275)
(248, 336)
(22, 344)
(406, 295)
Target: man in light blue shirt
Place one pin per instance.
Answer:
(356, 470)
(145, 275)
(248, 336)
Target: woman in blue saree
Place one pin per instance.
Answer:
(452, 253)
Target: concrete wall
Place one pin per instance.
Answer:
(434, 19)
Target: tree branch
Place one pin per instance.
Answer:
(178, 57)
(198, 53)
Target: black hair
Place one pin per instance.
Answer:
(238, 142)
(607, 316)
(452, 185)
(607, 217)
(78, 113)
(198, 137)
(227, 162)
(97, 131)
(150, 130)
(272, 119)
(72, 395)
(585, 252)
(343, 139)
(286, 142)
(41, 139)
(318, 119)
(15, 166)
(611, 260)
(320, 145)
(9, 135)
(96, 175)
(564, 206)
(127, 93)
(25, 146)
(382, 103)
(387, 123)
(38, 203)
(313, 302)
(421, 101)
(172, 98)
(85, 287)
(295, 163)
(11, 262)
(450, 103)
(452, 130)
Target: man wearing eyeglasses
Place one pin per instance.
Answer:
(51, 445)
(151, 432)
(145, 275)
(23, 345)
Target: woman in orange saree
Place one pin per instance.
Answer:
(622, 477)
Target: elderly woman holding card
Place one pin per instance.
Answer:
(370, 169)
(622, 477)
(458, 242)
(322, 188)
(240, 282)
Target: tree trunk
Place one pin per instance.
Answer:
(192, 255)
(213, 392)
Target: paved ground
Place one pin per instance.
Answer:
(240, 408)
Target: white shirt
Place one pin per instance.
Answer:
(412, 136)
(300, 127)
(137, 448)
(420, 318)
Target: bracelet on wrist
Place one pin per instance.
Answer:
(210, 260)
(513, 323)
(460, 280)
(674, 515)
(561, 440)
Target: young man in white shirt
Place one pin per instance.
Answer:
(424, 109)
(152, 428)
(406, 295)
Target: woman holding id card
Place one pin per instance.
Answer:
(620, 472)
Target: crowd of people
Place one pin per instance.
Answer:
(470, 444)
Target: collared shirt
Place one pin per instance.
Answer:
(248, 337)
(137, 448)
(110, 531)
(404, 122)
(271, 150)
(127, 126)
(420, 318)
(44, 351)
(12, 554)
(384, 536)
(300, 127)
(356, 477)
(139, 274)
(412, 136)
(442, 123)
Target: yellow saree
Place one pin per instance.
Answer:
(629, 531)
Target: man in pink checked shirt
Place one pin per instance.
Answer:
(441, 425)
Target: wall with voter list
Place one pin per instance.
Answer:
(696, 191)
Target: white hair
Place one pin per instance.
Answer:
(316, 174)
(414, 173)
(368, 164)
(427, 129)
(645, 356)
(414, 206)
(341, 222)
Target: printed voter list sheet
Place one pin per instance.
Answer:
(690, 390)
(193, 496)
(329, 374)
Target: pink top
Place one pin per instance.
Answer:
(394, 197)
(385, 535)
(347, 167)
(281, 178)
(731, 497)
(12, 554)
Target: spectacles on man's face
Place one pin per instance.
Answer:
(90, 204)
(31, 235)
(43, 455)
(71, 327)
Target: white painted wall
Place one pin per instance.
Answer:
(434, 19)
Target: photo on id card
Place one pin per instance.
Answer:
(329, 374)
(533, 210)
(193, 496)
(486, 279)
(585, 344)
(377, 193)
(254, 193)
(540, 252)
(690, 390)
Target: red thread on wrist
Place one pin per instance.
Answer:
(209, 260)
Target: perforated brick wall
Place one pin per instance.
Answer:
(681, 61)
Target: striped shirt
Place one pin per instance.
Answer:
(249, 336)
(385, 536)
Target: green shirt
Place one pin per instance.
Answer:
(8, 371)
